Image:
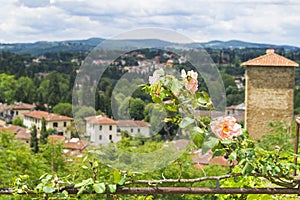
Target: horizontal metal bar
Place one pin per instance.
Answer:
(179, 190)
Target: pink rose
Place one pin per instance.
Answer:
(192, 85)
(225, 128)
(190, 79)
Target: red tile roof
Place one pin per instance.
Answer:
(56, 139)
(100, 119)
(24, 134)
(22, 106)
(271, 59)
(37, 114)
(21, 133)
(207, 159)
(11, 128)
(16, 106)
(74, 144)
(132, 123)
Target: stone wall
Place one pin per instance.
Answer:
(269, 97)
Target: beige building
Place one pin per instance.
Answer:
(17, 109)
(269, 92)
(53, 121)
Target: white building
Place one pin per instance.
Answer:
(134, 127)
(53, 121)
(102, 130)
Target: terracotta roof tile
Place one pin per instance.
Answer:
(133, 123)
(22, 106)
(37, 114)
(24, 134)
(74, 144)
(100, 119)
(271, 59)
(208, 159)
(21, 133)
(56, 139)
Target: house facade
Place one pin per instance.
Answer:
(134, 127)
(102, 130)
(18, 109)
(53, 121)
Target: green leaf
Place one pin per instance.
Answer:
(176, 86)
(171, 107)
(43, 176)
(112, 188)
(117, 176)
(247, 169)
(211, 143)
(232, 156)
(185, 122)
(198, 136)
(99, 188)
(84, 167)
(95, 164)
(122, 181)
(202, 101)
(227, 142)
(84, 183)
(80, 191)
(85, 158)
(219, 152)
(48, 189)
(156, 99)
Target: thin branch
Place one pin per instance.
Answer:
(206, 178)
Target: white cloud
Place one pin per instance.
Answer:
(268, 21)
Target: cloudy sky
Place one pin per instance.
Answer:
(264, 21)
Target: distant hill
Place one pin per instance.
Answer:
(41, 47)
(241, 45)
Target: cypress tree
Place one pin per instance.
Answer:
(33, 140)
(44, 133)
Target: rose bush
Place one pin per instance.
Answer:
(225, 137)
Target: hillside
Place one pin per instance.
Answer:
(41, 47)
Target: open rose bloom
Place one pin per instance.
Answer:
(190, 79)
(226, 128)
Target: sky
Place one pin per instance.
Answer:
(262, 21)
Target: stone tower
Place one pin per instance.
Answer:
(269, 92)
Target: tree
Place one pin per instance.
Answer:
(44, 133)
(7, 88)
(17, 121)
(25, 90)
(136, 108)
(63, 109)
(33, 140)
(54, 91)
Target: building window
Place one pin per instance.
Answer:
(17, 112)
(100, 137)
(110, 137)
(139, 130)
(100, 128)
(131, 130)
(55, 124)
(65, 124)
(110, 127)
